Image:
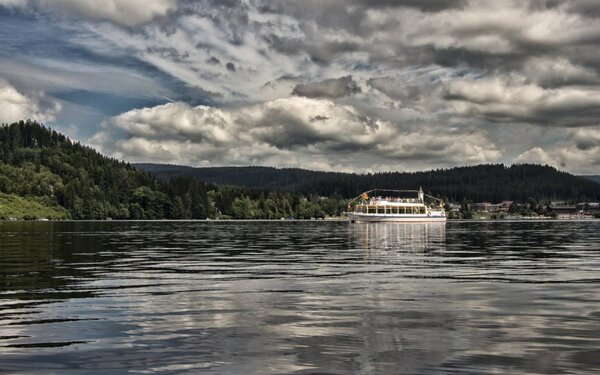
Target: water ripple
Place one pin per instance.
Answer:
(300, 297)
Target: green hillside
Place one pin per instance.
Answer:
(42, 165)
(30, 208)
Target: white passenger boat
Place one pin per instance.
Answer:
(371, 207)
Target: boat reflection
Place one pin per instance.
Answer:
(403, 237)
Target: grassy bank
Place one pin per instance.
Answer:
(29, 208)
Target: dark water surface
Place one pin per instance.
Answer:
(299, 297)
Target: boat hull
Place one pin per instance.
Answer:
(359, 217)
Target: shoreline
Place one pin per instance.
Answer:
(525, 219)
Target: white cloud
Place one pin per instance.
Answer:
(13, 3)
(579, 153)
(557, 72)
(536, 155)
(294, 131)
(122, 12)
(15, 106)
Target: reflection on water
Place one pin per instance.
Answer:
(412, 237)
(301, 297)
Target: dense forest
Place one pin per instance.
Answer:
(47, 167)
(482, 183)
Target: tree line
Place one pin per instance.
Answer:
(481, 183)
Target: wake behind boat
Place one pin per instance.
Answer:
(369, 206)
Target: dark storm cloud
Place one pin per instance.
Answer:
(423, 5)
(587, 139)
(283, 79)
(213, 61)
(587, 8)
(287, 132)
(329, 88)
(169, 53)
(320, 51)
(319, 118)
(299, 7)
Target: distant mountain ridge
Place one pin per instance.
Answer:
(593, 178)
(489, 182)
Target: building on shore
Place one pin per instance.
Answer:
(563, 208)
(503, 206)
(588, 207)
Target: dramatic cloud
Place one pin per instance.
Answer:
(330, 88)
(404, 84)
(15, 106)
(298, 132)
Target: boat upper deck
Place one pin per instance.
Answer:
(399, 202)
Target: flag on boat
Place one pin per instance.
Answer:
(364, 196)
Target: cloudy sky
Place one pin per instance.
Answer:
(350, 85)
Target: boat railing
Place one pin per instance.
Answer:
(382, 200)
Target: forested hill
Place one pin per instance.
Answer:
(44, 174)
(491, 183)
(36, 162)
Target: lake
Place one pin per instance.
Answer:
(311, 297)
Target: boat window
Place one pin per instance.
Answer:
(394, 210)
(381, 210)
(372, 209)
